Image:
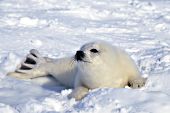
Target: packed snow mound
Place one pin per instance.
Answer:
(26, 97)
(57, 28)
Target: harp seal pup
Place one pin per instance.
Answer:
(96, 65)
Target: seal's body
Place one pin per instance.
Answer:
(95, 65)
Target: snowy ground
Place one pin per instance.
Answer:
(57, 28)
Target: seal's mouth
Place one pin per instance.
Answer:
(79, 57)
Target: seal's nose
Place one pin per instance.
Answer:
(79, 55)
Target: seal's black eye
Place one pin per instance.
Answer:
(94, 50)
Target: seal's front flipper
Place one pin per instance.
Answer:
(78, 93)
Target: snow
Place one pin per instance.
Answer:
(57, 28)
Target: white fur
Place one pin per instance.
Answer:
(110, 67)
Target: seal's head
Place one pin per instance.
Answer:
(95, 53)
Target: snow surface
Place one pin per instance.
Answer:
(57, 28)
